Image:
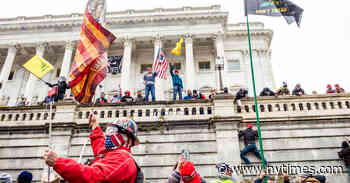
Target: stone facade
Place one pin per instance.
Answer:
(140, 33)
(305, 130)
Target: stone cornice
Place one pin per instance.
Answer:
(116, 18)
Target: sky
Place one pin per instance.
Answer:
(314, 55)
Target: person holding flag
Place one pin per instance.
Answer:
(90, 64)
(177, 82)
(60, 88)
(113, 161)
(149, 79)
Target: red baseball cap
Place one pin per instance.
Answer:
(188, 173)
(148, 69)
(250, 126)
(176, 71)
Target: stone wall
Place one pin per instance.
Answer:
(309, 138)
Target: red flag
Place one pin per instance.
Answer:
(160, 65)
(52, 91)
(90, 63)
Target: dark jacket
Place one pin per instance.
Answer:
(249, 136)
(177, 81)
(126, 99)
(62, 86)
(297, 91)
(267, 92)
(344, 154)
(139, 99)
(241, 94)
(283, 91)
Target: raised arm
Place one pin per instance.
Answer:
(51, 85)
(171, 70)
(97, 137)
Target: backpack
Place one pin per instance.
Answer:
(140, 178)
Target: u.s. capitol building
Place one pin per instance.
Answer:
(207, 33)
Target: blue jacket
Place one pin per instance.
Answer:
(177, 81)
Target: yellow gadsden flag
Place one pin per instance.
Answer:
(38, 66)
(177, 51)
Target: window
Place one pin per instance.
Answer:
(144, 67)
(177, 66)
(58, 72)
(204, 66)
(12, 73)
(233, 65)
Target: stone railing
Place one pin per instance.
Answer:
(20, 115)
(221, 106)
(158, 111)
(308, 105)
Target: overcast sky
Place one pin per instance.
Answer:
(314, 55)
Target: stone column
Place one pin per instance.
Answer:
(67, 59)
(189, 65)
(6, 68)
(28, 93)
(126, 67)
(226, 128)
(160, 83)
(220, 52)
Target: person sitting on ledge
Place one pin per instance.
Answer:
(189, 95)
(283, 90)
(139, 97)
(329, 89)
(298, 91)
(267, 92)
(242, 93)
(338, 89)
(212, 93)
(113, 161)
(249, 137)
(126, 98)
(195, 95)
(102, 99)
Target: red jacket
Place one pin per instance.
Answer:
(116, 166)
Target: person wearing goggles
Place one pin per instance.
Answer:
(113, 161)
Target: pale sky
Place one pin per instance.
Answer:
(314, 55)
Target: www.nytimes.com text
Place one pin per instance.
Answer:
(287, 168)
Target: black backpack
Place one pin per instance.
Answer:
(140, 178)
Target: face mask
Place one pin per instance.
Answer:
(109, 143)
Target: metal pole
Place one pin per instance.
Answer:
(50, 139)
(255, 100)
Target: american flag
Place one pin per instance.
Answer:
(160, 65)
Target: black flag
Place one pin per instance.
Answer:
(290, 11)
(114, 64)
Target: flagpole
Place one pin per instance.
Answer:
(255, 100)
(50, 138)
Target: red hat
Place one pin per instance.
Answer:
(188, 173)
(250, 126)
(127, 92)
(176, 71)
(329, 86)
(148, 69)
(336, 85)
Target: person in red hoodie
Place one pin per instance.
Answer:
(113, 161)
